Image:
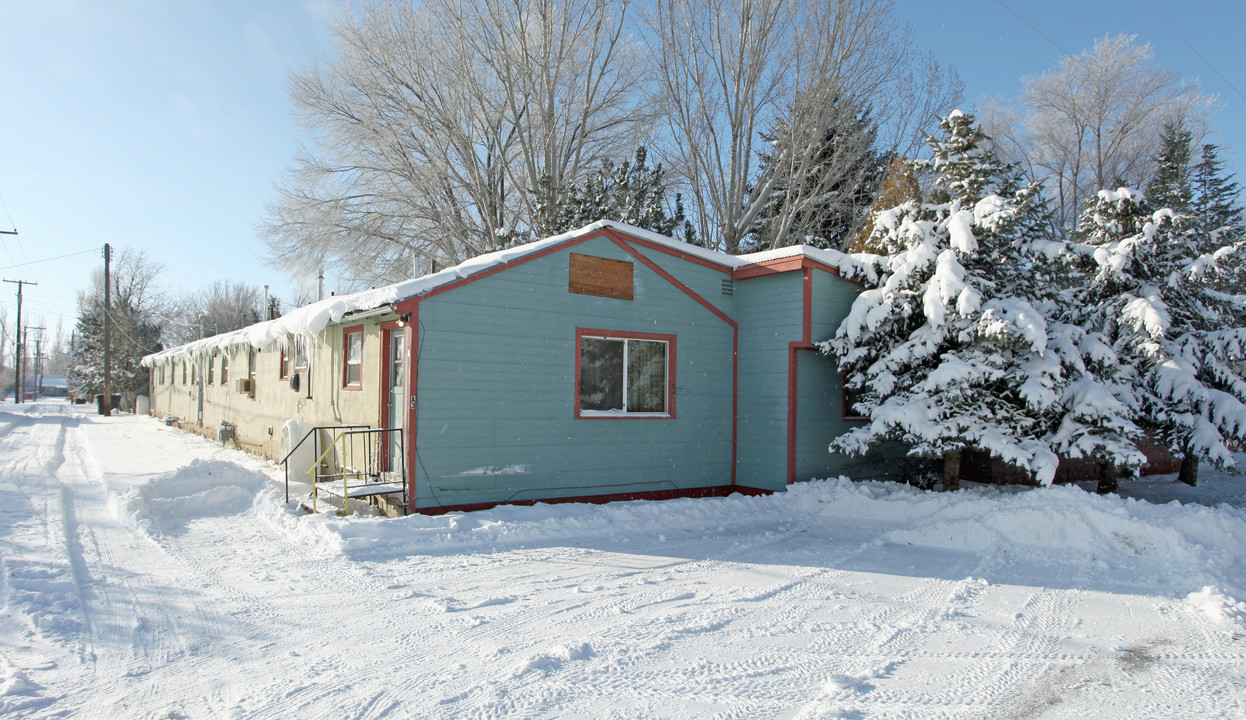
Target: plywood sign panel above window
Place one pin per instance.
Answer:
(601, 277)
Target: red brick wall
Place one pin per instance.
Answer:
(977, 466)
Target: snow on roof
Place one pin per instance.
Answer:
(854, 265)
(310, 320)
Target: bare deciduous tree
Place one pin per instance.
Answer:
(731, 69)
(222, 307)
(1094, 121)
(433, 123)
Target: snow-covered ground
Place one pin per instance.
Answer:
(151, 574)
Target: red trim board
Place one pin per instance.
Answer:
(609, 233)
(701, 492)
(735, 340)
(794, 348)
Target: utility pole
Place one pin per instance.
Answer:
(38, 342)
(17, 385)
(38, 364)
(105, 407)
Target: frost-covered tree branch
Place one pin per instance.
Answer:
(432, 124)
(730, 70)
(1094, 121)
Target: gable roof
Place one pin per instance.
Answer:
(310, 320)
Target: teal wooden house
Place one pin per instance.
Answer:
(607, 363)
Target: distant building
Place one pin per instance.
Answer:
(50, 385)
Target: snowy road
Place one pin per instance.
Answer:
(150, 574)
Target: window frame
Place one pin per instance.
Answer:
(582, 414)
(225, 368)
(211, 378)
(283, 368)
(347, 332)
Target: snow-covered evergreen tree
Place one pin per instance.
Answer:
(953, 348)
(899, 185)
(632, 193)
(130, 336)
(1170, 185)
(835, 195)
(1216, 196)
(135, 332)
(1181, 343)
(85, 374)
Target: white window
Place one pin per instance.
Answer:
(625, 374)
(352, 357)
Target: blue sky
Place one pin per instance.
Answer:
(163, 125)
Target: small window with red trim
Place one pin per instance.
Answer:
(624, 375)
(352, 357)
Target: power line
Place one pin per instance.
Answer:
(9, 216)
(1042, 34)
(1196, 52)
(58, 257)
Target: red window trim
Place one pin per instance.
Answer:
(581, 333)
(346, 333)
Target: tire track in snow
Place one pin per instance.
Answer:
(43, 581)
(324, 580)
(674, 632)
(123, 606)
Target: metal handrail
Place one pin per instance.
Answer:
(341, 437)
(373, 456)
(309, 432)
(286, 466)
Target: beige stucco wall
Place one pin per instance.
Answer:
(260, 416)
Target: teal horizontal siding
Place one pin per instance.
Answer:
(819, 405)
(770, 310)
(497, 387)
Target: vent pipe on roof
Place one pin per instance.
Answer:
(320, 285)
(415, 267)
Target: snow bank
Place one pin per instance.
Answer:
(1057, 537)
(202, 489)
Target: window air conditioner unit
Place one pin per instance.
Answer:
(242, 386)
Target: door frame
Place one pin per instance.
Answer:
(388, 330)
